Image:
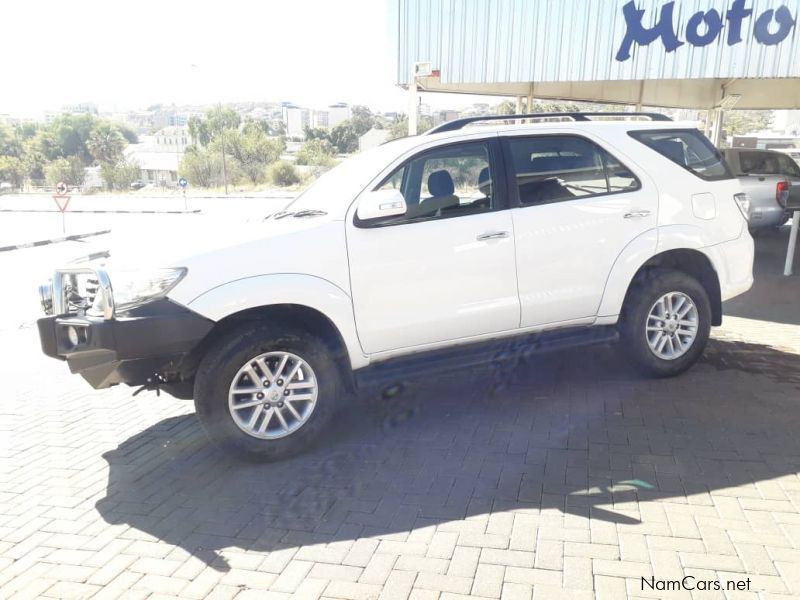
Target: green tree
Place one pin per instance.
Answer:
(198, 131)
(9, 142)
(742, 122)
(222, 118)
(316, 133)
(203, 167)
(69, 170)
(34, 160)
(316, 152)
(506, 107)
(345, 137)
(253, 150)
(283, 173)
(362, 119)
(12, 170)
(105, 144)
(399, 127)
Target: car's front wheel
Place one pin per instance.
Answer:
(666, 322)
(266, 392)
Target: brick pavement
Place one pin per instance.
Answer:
(565, 477)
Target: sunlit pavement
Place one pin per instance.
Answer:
(566, 476)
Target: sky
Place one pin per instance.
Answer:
(124, 54)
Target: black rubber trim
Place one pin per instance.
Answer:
(482, 353)
(130, 348)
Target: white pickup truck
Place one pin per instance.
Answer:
(771, 181)
(426, 253)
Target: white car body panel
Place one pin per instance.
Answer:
(285, 288)
(421, 283)
(313, 246)
(556, 281)
(401, 289)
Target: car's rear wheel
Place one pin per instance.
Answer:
(666, 322)
(266, 392)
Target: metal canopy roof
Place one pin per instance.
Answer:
(681, 53)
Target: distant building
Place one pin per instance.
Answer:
(80, 108)
(296, 119)
(374, 137)
(338, 113)
(320, 118)
(159, 155)
(442, 116)
(172, 139)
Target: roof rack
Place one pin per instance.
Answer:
(576, 116)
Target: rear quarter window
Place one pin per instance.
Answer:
(688, 148)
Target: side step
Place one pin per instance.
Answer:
(482, 353)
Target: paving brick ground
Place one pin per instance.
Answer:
(566, 476)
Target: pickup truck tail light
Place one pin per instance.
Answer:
(743, 202)
(782, 192)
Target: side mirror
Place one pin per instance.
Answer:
(381, 204)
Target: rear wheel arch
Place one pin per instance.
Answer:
(692, 262)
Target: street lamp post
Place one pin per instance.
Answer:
(224, 164)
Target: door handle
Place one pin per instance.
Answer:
(636, 214)
(492, 235)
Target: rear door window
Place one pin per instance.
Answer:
(688, 148)
(555, 168)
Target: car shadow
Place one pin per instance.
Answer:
(773, 297)
(571, 433)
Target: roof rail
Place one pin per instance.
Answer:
(575, 116)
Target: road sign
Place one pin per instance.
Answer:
(182, 182)
(62, 202)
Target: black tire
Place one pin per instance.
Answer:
(646, 290)
(231, 352)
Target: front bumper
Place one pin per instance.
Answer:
(151, 340)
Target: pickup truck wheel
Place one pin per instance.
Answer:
(266, 392)
(666, 323)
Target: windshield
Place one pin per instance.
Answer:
(334, 190)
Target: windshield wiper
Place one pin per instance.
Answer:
(311, 212)
(281, 214)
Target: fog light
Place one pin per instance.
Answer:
(72, 336)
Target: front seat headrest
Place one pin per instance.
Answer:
(441, 184)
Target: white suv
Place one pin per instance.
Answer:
(425, 253)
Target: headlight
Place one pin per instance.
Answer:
(132, 288)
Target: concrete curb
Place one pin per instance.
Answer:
(95, 212)
(67, 238)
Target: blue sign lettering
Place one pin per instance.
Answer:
(703, 27)
(713, 22)
(785, 25)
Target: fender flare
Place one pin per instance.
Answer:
(285, 288)
(641, 249)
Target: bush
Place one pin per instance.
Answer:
(316, 152)
(203, 168)
(283, 173)
(121, 175)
